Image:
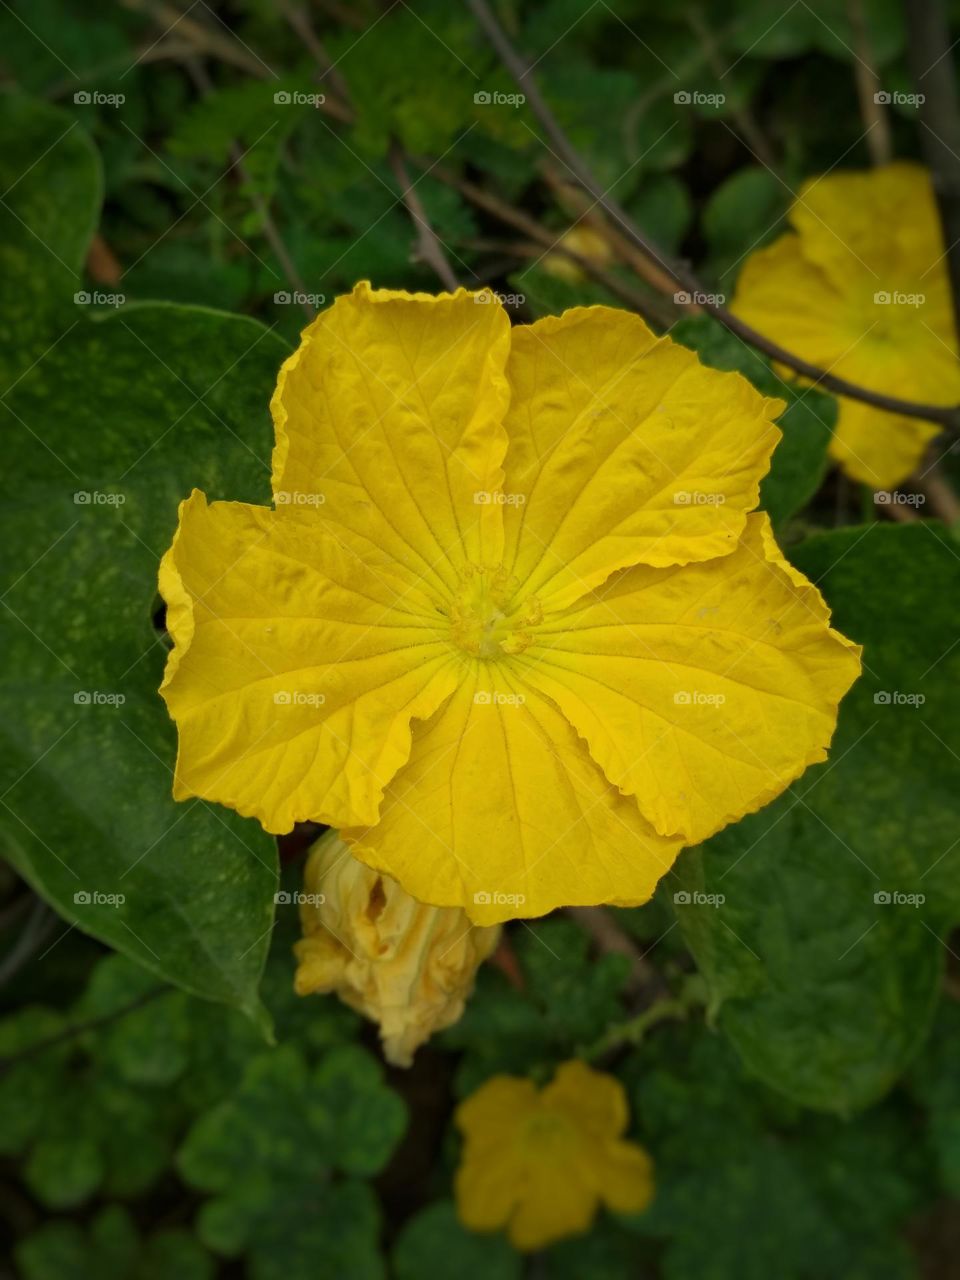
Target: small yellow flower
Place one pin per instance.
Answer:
(509, 626)
(585, 241)
(860, 288)
(540, 1163)
(407, 966)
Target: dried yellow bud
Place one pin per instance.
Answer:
(408, 966)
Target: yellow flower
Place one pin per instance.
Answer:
(585, 241)
(860, 289)
(541, 1163)
(509, 626)
(407, 966)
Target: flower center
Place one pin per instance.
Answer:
(482, 620)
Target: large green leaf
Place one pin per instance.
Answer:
(106, 434)
(50, 186)
(824, 958)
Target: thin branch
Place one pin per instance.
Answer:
(648, 306)
(941, 494)
(270, 231)
(81, 1028)
(743, 117)
(429, 250)
(872, 110)
(929, 51)
(679, 272)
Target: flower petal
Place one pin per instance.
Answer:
(596, 1101)
(867, 222)
(501, 811)
(559, 1200)
(297, 667)
(392, 409)
(879, 449)
(625, 1178)
(704, 691)
(612, 434)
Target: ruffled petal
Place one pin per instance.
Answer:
(391, 412)
(500, 810)
(703, 691)
(296, 669)
(624, 450)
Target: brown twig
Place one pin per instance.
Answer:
(872, 112)
(576, 201)
(270, 231)
(931, 63)
(941, 494)
(428, 249)
(742, 115)
(610, 939)
(81, 1028)
(679, 272)
(647, 306)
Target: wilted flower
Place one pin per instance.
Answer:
(510, 627)
(541, 1163)
(407, 966)
(860, 288)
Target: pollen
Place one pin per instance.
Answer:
(484, 620)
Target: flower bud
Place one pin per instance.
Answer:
(407, 966)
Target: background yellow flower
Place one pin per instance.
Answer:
(860, 288)
(541, 1162)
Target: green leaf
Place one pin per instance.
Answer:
(800, 459)
(64, 1171)
(28, 1087)
(934, 1081)
(824, 957)
(106, 434)
(435, 1244)
(51, 184)
(296, 1123)
(814, 1196)
(742, 214)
